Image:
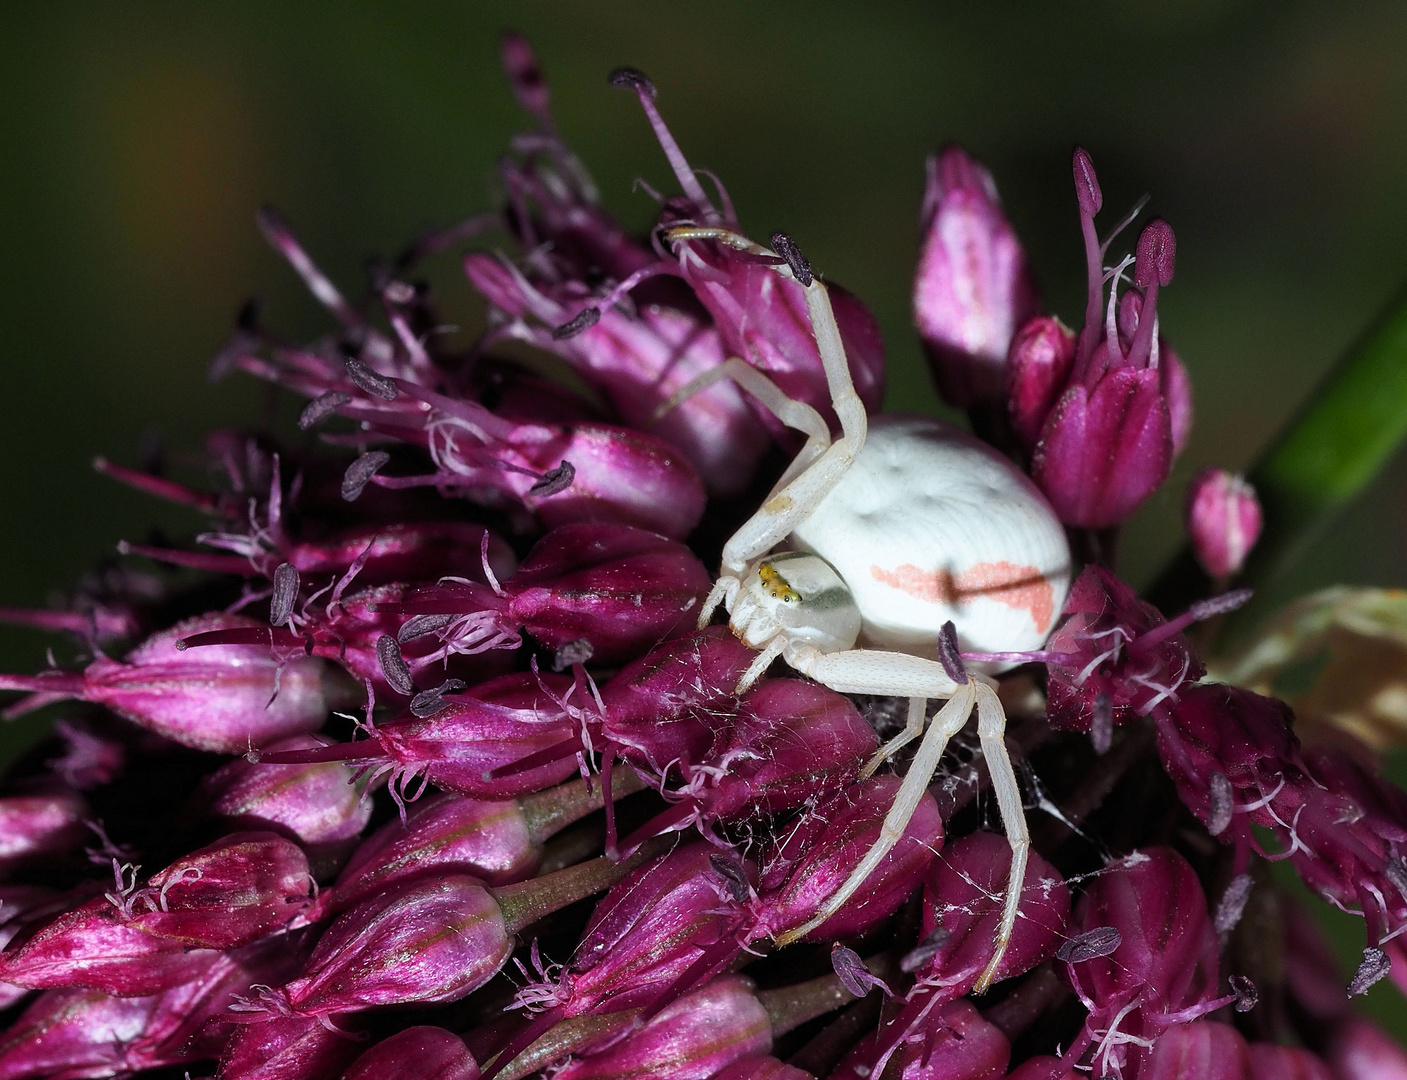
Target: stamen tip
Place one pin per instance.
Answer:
(630, 79)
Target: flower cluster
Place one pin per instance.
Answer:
(444, 780)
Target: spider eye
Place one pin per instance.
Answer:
(808, 600)
(777, 587)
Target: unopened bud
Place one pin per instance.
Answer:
(1224, 521)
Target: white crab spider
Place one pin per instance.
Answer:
(889, 539)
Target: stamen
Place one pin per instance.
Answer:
(393, 665)
(1373, 969)
(420, 625)
(360, 472)
(630, 79)
(574, 652)
(854, 976)
(1090, 945)
(321, 407)
(285, 594)
(1247, 996)
(1220, 804)
(582, 321)
(734, 880)
(1101, 729)
(428, 702)
(1232, 903)
(949, 655)
(374, 384)
(787, 249)
(554, 481)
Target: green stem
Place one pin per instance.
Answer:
(1321, 461)
(527, 901)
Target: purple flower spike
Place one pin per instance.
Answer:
(444, 833)
(40, 826)
(1201, 1050)
(820, 852)
(973, 287)
(427, 941)
(287, 1048)
(225, 698)
(1164, 971)
(417, 1053)
(1108, 437)
(1223, 519)
(314, 804)
(692, 1039)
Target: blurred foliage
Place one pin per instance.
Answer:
(140, 138)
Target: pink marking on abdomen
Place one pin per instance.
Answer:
(1021, 587)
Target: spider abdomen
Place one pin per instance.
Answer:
(931, 525)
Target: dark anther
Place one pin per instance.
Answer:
(374, 384)
(1232, 903)
(787, 249)
(393, 665)
(428, 702)
(360, 472)
(630, 79)
(554, 481)
(285, 594)
(731, 871)
(851, 970)
(1090, 945)
(398, 292)
(578, 651)
(420, 625)
(321, 407)
(1373, 969)
(1219, 605)
(949, 655)
(584, 319)
(1220, 804)
(1246, 993)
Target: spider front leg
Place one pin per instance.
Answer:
(991, 726)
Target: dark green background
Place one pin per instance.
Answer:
(139, 139)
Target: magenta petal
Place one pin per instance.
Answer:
(417, 1053)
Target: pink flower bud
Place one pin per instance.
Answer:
(287, 1048)
(1223, 519)
(427, 941)
(312, 803)
(1201, 1050)
(39, 826)
(1037, 367)
(973, 287)
(955, 1043)
(692, 1039)
(400, 551)
(764, 1067)
(1360, 1050)
(820, 851)
(1271, 1062)
(416, 1053)
(223, 698)
(74, 1033)
(241, 888)
(442, 834)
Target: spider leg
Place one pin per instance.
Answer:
(948, 721)
(913, 728)
(991, 724)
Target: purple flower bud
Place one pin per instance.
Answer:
(1223, 519)
(1271, 1062)
(427, 941)
(1164, 969)
(1360, 1050)
(19, 905)
(973, 287)
(791, 741)
(619, 588)
(1114, 646)
(416, 1053)
(692, 1039)
(38, 826)
(824, 847)
(1037, 368)
(73, 1033)
(287, 1048)
(955, 1043)
(398, 551)
(91, 757)
(638, 359)
(223, 698)
(442, 834)
(313, 803)
(241, 888)
(1201, 1050)
(1108, 437)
